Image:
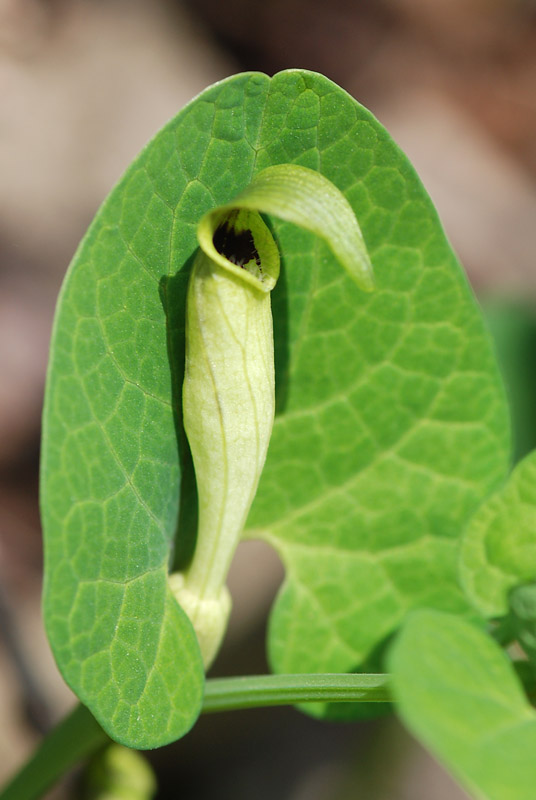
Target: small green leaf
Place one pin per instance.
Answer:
(499, 547)
(458, 693)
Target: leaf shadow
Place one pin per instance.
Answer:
(279, 301)
(172, 291)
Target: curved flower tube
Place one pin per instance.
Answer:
(228, 391)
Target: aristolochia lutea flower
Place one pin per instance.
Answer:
(228, 391)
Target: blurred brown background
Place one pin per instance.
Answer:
(83, 85)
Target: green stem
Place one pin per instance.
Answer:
(231, 694)
(79, 735)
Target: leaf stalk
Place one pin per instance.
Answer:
(78, 735)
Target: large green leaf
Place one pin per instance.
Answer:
(392, 424)
(499, 547)
(458, 693)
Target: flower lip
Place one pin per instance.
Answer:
(238, 240)
(238, 246)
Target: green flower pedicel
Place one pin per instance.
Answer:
(228, 393)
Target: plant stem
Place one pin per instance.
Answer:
(79, 735)
(228, 694)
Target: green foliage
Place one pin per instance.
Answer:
(117, 773)
(523, 618)
(458, 692)
(391, 424)
(499, 547)
(513, 327)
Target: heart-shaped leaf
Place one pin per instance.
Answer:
(458, 693)
(393, 424)
(391, 427)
